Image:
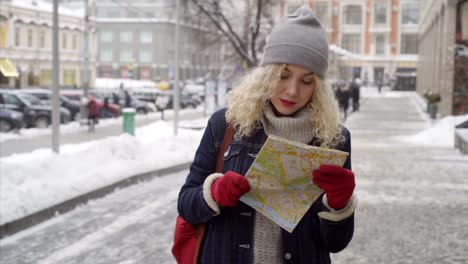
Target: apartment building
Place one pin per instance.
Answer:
(443, 49)
(136, 40)
(26, 44)
(382, 36)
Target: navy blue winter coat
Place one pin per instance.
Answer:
(229, 235)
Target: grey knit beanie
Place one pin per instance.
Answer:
(299, 39)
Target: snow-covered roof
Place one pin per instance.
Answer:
(45, 6)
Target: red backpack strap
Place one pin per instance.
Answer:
(228, 135)
(201, 228)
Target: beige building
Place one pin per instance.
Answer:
(443, 49)
(381, 34)
(26, 45)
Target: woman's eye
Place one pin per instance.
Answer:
(284, 76)
(307, 81)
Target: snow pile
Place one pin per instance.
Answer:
(441, 133)
(34, 181)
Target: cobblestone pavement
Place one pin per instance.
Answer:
(413, 203)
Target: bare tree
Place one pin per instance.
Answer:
(243, 23)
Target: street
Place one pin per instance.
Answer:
(412, 204)
(22, 144)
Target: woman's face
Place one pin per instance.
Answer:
(294, 90)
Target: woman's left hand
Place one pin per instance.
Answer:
(337, 182)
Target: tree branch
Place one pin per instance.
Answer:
(230, 38)
(256, 31)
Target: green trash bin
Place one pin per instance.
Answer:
(129, 120)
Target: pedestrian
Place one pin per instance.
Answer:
(354, 90)
(115, 98)
(128, 99)
(286, 96)
(93, 113)
(342, 95)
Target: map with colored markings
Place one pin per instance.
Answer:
(280, 179)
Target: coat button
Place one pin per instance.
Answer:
(287, 256)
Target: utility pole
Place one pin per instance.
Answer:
(83, 110)
(176, 91)
(55, 82)
(86, 51)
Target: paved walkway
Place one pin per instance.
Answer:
(413, 200)
(413, 205)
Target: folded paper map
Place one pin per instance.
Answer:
(280, 179)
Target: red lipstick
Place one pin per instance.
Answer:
(287, 103)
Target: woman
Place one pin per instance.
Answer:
(286, 96)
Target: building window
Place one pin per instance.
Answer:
(133, 13)
(106, 36)
(126, 36)
(321, 9)
(105, 55)
(42, 39)
(353, 15)
(146, 56)
(69, 77)
(30, 38)
(146, 36)
(74, 42)
(462, 21)
(410, 13)
(351, 42)
(379, 45)
(409, 44)
(17, 37)
(64, 41)
(380, 13)
(46, 77)
(126, 55)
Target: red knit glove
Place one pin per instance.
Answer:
(228, 189)
(337, 182)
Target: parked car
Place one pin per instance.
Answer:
(35, 113)
(72, 95)
(10, 120)
(141, 107)
(76, 96)
(45, 95)
(100, 111)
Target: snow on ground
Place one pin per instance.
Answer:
(33, 181)
(441, 133)
(37, 180)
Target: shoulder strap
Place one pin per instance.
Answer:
(228, 134)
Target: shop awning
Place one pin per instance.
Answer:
(7, 68)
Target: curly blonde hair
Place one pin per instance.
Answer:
(247, 101)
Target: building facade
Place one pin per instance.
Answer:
(26, 45)
(382, 35)
(136, 40)
(443, 49)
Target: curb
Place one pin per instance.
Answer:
(28, 221)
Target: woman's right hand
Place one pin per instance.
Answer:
(227, 190)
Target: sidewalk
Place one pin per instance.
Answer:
(412, 193)
(41, 182)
